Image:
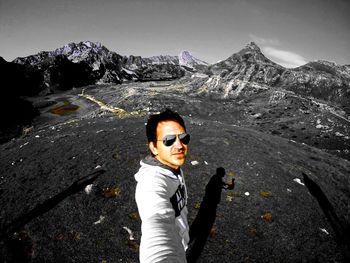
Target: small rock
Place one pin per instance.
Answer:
(100, 220)
(24, 144)
(324, 231)
(88, 189)
(131, 234)
(246, 193)
(194, 162)
(297, 180)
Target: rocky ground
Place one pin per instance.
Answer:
(275, 213)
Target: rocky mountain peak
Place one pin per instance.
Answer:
(252, 46)
(186, 59)
(250, 57)
(83, 49)
(252, 53)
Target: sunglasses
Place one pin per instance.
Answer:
(169, 140)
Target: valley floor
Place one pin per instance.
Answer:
(290, 202)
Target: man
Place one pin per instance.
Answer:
(161, 193)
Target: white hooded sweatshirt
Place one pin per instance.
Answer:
(161, 198)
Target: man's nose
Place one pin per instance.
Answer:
(178, 143)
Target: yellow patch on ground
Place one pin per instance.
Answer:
(104, 106)
(64, 109)
(229, 198)
(265, 193)
(197, 205)
(74, 235)
(230, 173)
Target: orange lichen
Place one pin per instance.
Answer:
(133, 246)
(267, 217)
(74, 235)
(134, 216)
(111, 192)
(213, 232)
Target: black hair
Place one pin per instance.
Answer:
(154, 119)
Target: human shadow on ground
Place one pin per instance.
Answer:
(342, 231)
(19, 244)
(204, 221)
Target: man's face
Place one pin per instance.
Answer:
(174, 155)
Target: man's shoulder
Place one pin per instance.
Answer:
(155, 178)
(156, 169)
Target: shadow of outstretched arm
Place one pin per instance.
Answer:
(341, 231)
(50, 203)
(204, 221)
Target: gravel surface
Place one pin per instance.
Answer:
(274, 214)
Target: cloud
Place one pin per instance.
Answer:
(285, 58)
(264, 41)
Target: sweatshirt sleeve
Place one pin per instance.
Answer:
(160, 241)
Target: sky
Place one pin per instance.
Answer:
(290, 33)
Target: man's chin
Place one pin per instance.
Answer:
(179, 161)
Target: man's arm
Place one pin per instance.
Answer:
(160, 241)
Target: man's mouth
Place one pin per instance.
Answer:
(179, 154)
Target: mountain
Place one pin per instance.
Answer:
(320, 79)
(243, 73)
(250, 54)
(105, 66)
(187, 60)
(249, 72)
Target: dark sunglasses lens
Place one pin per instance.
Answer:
(169, 140)
(185, 138)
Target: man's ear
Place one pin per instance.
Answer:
(153, 148)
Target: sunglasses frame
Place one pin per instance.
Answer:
(172, 140)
